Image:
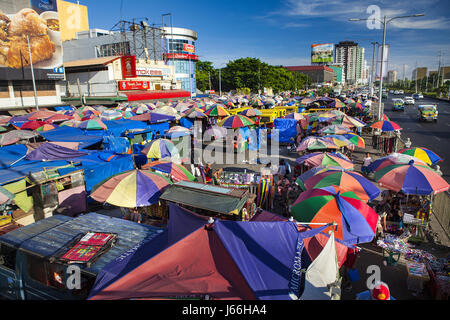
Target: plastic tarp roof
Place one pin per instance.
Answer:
(12, 153)
(287, 129)
(46, 237)
(117, 128)
(50, 151)
(19, 172)
(69, 134)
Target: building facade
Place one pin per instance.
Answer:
(318, 74)
(351, 56)
(179, 48)
(339, 72)
(419, 73)
(392, 76)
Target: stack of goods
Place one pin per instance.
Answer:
(232, 178)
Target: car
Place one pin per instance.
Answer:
(427, 112)
(396, 92)
(391, 91)
(401, 92)
(398, 105)
(418, 96)
(409, 100)
(385, 95)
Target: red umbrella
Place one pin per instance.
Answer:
(39, 115)
(32, 125)
(58, 117)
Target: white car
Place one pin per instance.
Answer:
(401, 92)
(409, 100)
(396, 92)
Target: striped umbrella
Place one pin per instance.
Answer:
(295, 115)
(346, 181)
(334, 129)
(4, 120)
(160, 149)
(356, 221)
(423, 154)
(339, 140)
(132, 189)
(3, 129)
(70, 123)
(411, 179)
(352, 122)
(355, 139)
(386, 118)
(194, 113)
(251, 113)
(92, 124)
(58, 118)
(217, 111)
(393, 158)
(176, 171)
(313, 171)
(178, 131)
(324, 159)
(316, 143)
(384, 125)
(236, 121)
(32, 125)
(47, 127)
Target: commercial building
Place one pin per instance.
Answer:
(351, 56)
(179, 50)
(318, 74)
(339, 72)
(392, 76)
(419, 73)
(444, 74)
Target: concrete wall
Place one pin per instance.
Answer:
(441, 210)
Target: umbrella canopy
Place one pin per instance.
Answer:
(384, 125)
(216, 131)
(411, 179)
(178, 131)
(70, 123)
(6, 196)
(346, 181)
(356, 221)
(194, 113)
(355, 139)
(92, 124)
(4, 120)
(32, 125)
(160, 149)
(251, 112)
(50, 151)
(352, 122)
(127, 114)
(141, 109)
(153, 117)
(334, 129)
(385, 117)
(47, 127)
(423, 154)
(393, 158)
(40, 115)
(176, 171)
(217, 111)
(58, 118)
(295, 115)
(135, 188)
(324, 159)
(340, 141)
(3, 129)
(313, 171)
(356, 106)
(236, 121)
(316, 143)
(111, 114)
(14, 136)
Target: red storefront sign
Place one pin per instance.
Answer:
(128, 66)
(134, 85)
(181, 56)
(188, 48)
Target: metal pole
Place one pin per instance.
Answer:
(380, 94)
(32, 75)
(220, 82)
(372, 80)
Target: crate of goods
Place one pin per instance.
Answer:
(417, 276)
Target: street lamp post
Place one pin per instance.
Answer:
(372, 76)
(32, 75)
(384, 22)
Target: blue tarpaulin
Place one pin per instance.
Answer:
(19, 172)
(11, 154)
(187, 123)
(69, 134)
(287, 129)
(116, 144)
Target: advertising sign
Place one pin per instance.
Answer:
(73, 18)
(134, 85)
(182, 56)
(322, 53)
(188, 48)
(385, 62)
(128, 66)
(152, 72)
(34, 30)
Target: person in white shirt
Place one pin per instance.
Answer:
(366, 163)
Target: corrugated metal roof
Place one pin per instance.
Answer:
(47, 237)
(90, 62)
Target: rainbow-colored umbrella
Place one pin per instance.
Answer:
(316, 143)
(132, 189)
(153, 117)
(47, 127)
(313, 171)
(386, 118)
(346, 181)
(217, 111)
(176, 171)
(339, 140)
(58, 118)
(92, 124)
(70, 123)
(384, 125)
(355, 139)
(194, 113)
(334, 129)
(251, 113)
(393, 158)
(324, 159)
(352, 122)
(411, 179)
(356, 221)
(236, 121)
(423, 154)
(160, 149)
(295, 115)
(356, 105)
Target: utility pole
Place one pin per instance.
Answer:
(439, 70)
(372, 76)
(209, 76)
(32, 75)
(416, 76)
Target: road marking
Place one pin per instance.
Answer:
(438, 139)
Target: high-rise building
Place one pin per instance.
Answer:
(392, 76)
(339, 71)
(419, 73)
(351, 56)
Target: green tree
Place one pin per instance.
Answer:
(204, 70)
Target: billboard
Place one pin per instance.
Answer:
(188, 48)
(322, 53)
(134, 85)
(73, 18)
(385, 61)
(128, 66)
(30, 34)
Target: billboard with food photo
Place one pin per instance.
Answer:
(322, 53)
(30, 30)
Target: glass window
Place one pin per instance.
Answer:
(113, 49)
(36, 269)
(8, 256)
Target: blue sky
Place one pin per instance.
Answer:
(281, 32)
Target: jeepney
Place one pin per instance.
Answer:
(427, 112)
(398, 105)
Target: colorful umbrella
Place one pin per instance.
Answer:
(355, 139)
(194, 113)
(423, 154)
(340, 141)
(334, 129)
(386, 118)
(6, 196)
(346, 181)
(384, 125)
(316, 143)
(251, 113)
(58, 118)
(4, 120)
(160, 149)
(324, 159)
(176, 171)
(32, 125)
(153, 117)
(356, 221)
(216, 131)
(356, 105)
(111, 114)
(295, 115)
(313, 171)
(411, 179)
(40, 115)
(236, 121)
(217, 111)
(70, 123)
(3, 129)
(178, 131)
(393, 158)
(352, 122)
(127, 114)
(135, 188)
(47, 127)
(92, 124)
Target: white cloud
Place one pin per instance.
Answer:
(418, 23)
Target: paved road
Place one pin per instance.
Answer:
(434, 136)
